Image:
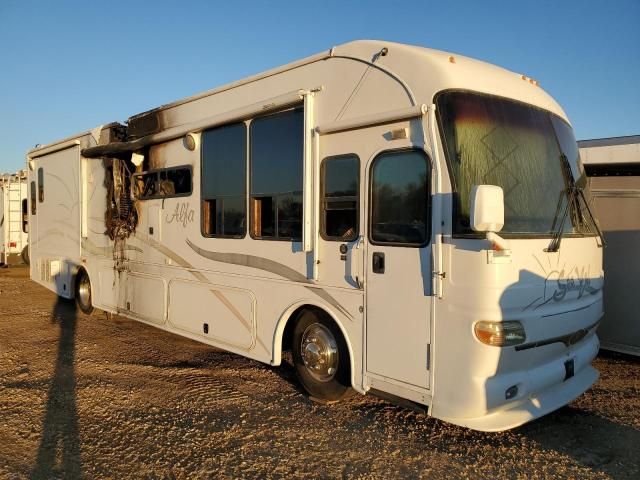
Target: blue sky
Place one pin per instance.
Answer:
(68, 66)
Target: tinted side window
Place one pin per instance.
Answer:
(40, 185)
(224, 158)
(340, 197)
(399, 198)
(276, 175)
(165, 183)
(33, 198)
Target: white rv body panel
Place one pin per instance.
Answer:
(14, 227)
(55, 227)
(406, 309)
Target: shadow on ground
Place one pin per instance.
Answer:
(59, 450)
(591, 440)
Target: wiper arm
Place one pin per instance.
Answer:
(592, 218)
(569, 192)
(554, 246)
(573, 194)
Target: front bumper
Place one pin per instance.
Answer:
(541, 390)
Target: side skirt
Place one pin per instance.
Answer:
(399, 401)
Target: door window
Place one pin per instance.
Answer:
(40, 185)
(25, 216)
(400, 199)
(340, 197)
(33, 198)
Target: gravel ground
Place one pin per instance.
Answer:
(98, 397)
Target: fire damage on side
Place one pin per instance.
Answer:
(124, 153)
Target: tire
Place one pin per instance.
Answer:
(83, 293)
(25, 255)
(321, 357)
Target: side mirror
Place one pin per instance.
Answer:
(487, 208)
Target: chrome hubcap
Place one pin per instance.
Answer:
(84, 291)
(319, 351)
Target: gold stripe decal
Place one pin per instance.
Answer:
(251, 261)
(271, 266)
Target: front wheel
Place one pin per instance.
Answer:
(321, 357)
(83, 293)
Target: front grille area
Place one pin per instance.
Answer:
(568, 339)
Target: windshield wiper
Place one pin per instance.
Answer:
(559, 230)
(574, 196)
(592, 218)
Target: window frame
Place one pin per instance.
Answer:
(250, 196)
(322, 197)
(157, 171)
(428, 225)
(246, 182)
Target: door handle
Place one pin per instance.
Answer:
(378, 262)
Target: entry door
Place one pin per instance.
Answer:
(398, 275)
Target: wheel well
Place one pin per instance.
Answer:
(287, 335)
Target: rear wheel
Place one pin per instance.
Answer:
(83, 292)
(25, 255)
(321, 357)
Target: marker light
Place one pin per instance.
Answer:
(191, 141)
(500, 334)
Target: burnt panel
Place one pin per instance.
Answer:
(144, 124)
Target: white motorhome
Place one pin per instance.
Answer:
(405, 220)
(14, 220)
(613, 168)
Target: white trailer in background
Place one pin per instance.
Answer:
(613, 168)
(347, 207)
(14, 220)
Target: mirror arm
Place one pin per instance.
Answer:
(497, 242)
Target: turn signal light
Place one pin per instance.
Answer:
(500, 334)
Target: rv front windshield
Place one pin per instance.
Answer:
(496, 141)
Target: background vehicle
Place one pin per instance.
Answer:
(613, 168)
(345, 206)
(14, 219)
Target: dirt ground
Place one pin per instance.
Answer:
(97, 397)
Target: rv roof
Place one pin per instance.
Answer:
(422, 70)
(486, 76)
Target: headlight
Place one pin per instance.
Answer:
(500, 334)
